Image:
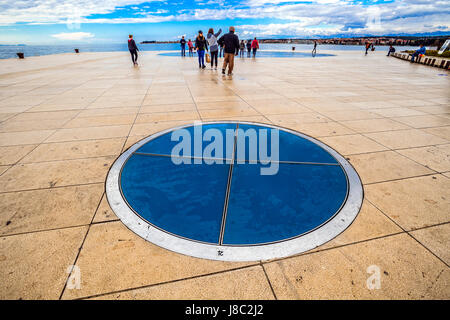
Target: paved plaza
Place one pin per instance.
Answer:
(65, 118)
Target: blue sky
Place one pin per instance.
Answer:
(78, 21)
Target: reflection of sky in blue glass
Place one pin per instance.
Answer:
(188, 199)
(270, 208)
(268, 54)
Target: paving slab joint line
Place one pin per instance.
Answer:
(261, 114)
(428, 249)
(51, 68)
(55, 187)
(315, 250)
(395, 150)
(82, 244)
(169, 281)
(195, 102)
(405, 178)
(135, 118)
(268, 280)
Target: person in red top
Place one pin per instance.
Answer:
(255, 46)
(368, 44)
(190, 46)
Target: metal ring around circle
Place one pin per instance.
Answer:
(284, 248)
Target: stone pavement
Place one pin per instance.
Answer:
(65, 118)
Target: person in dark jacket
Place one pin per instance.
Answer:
(231, 44)
(249, 48)
(242, 49)
(133, 49)
(220, 50)
(183, 46)
(201, 45)
(391, 50)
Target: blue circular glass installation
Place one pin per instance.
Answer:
(226, 201)
(264, 54)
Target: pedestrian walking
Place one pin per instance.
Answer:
(249, 47)
(242, 49)
(183, 46)
(367, 47)
(201, 45)
(213, 46)
(314, 51)
(133, 49)
(191, 48)
(255, 46)
(230, 41)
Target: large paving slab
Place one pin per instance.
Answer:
(34, 265)
(57, 174)
(436, 239)
(406, 271)
(226, 285)
(415, 202)
(113, 258)
(44, 209)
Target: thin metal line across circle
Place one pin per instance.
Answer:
(227, 193)
(226, 160)
(307, 241)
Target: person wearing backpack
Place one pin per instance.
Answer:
(213, 46)
(249, 47)
(242, 49)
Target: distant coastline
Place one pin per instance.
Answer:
(10, 51)
(381, 40)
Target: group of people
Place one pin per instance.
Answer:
(227, 46)
(183, 47)
(421, 51)
(249, 46)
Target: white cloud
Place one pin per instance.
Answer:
(57, 11)
(73, 36)
(296, 18)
